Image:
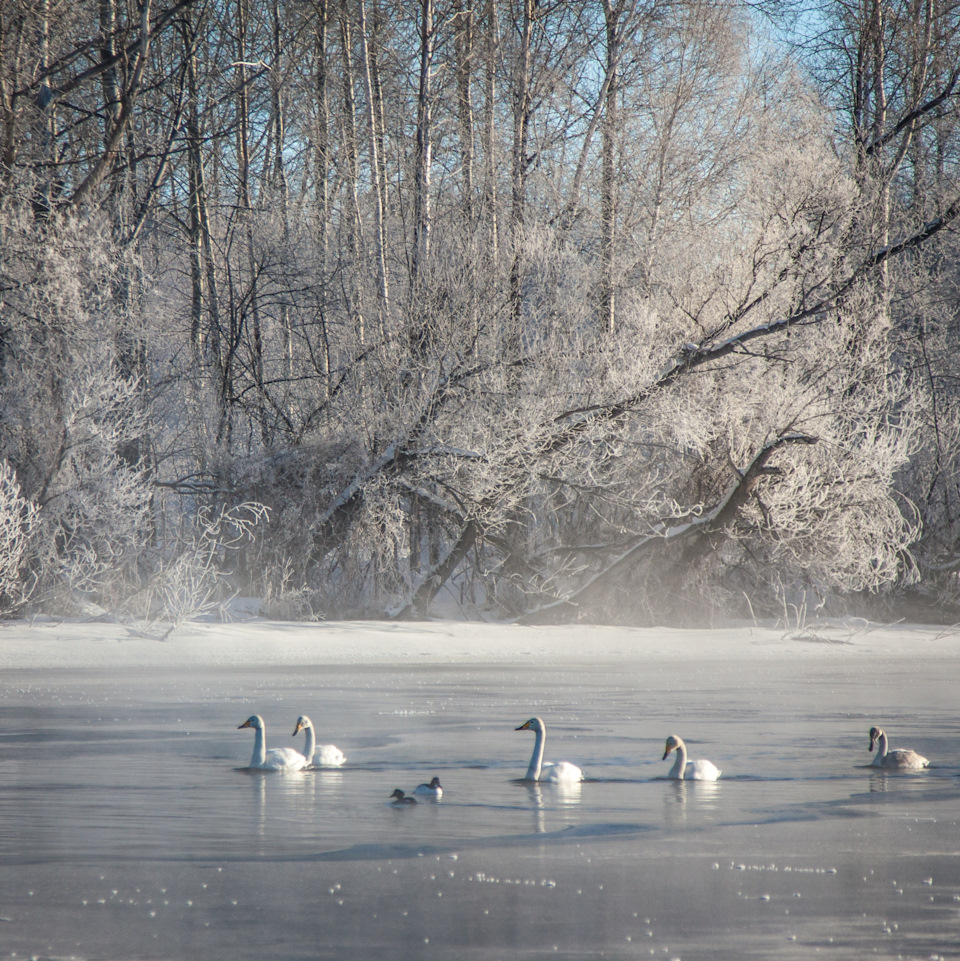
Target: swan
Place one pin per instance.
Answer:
(561, 772)
(682, 768)
(327, 755)
(400, 798)
(277, 758)
(900, 760)
(433, 789)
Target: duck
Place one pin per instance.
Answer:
(684, 769)
(281, 759)
(433, 789)
(400, 798)
(900, 760)
(326, 755)
(560, 772)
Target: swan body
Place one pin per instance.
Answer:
(900, 760)
(689, 770)
(561, 772)
(433, 789)
(326, 755)
(276, 759)
(400, 798)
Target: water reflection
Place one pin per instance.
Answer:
(282, 805)
(258, 781)
(549, 797)
(882, 781)
(675, 802)
(326, 784)
(683, 799)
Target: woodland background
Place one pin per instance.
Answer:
(635, 311)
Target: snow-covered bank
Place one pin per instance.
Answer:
(70, 644)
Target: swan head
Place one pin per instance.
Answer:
(254, 721)
(534, 724)
(875, 735)
(303, 722)
(673, 744)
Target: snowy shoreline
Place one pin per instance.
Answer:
(63, 644)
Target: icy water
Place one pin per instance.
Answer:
(130, 830)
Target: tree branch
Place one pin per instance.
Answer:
(100, 66)
(696, 532)
(96, 176)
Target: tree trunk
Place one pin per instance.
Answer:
(354, 224)
(608, 176)
(490, 193)
(463, 50)
(279, 172)
(371, 88)
(124, 117)
(421, 197)
(522, 110)
(323, 165)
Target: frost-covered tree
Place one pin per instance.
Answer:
(892, 70)
(17, 523)
(606, 309)
(720, 443)
(71, 418)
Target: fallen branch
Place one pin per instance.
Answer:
(696, 533)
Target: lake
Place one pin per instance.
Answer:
(130, 828)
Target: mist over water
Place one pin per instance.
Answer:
(130, 828)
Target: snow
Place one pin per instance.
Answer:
(47, 643)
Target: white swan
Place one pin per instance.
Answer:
(277, 758)
(900, 760)
(327, 755)
(433, 789)
(682, 768)
(562, 772)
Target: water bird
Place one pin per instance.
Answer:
(899, 760)
(684, 769)
(326, 755)
(277, 758)
(400, 798)
(433, 789)
(560, 772)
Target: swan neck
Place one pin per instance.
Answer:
(680, 764)
(536, 759)
(311, 744)
(259, 757)
(881, 749)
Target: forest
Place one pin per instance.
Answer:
(622, 311)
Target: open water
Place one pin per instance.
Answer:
(129, 828)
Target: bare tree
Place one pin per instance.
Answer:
(559, 310)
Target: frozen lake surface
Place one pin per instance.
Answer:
(129, 828)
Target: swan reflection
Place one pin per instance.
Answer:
(559, 798)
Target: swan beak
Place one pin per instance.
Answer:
(246, 723)
(297, 729)
(666, 754)
(523, 727)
